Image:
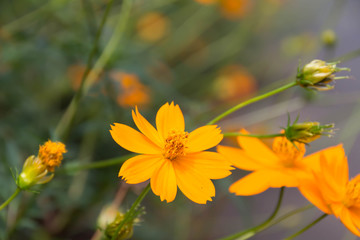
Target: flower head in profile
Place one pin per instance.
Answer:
(330, 189)
(170, 156)
(280, 166)
(36, 169)
(318, 74)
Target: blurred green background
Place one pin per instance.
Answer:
(204, 55)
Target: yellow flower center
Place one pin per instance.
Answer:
(175, 144)
(287, 152)
(51, 154)
(352, 195)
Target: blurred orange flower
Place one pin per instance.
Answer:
(132, 92)
(152, 26)
(234, 9)
(234, 82)
(329, 187)
(171, 156)
(280, 167)
(231, 9)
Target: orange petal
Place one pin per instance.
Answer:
(311, 162)
(238, 158)
(261, 180)
(346, 219)
(355, 216)
(283, 178)
(336, 164)
(253, 183)
(204, 138)
(163, 182)
(210, 164)
(146, 128)
(193, 184)
(168, 118)
(333, 186)
(132, 140)
(140, 168)
(257, 150)
(310, 190)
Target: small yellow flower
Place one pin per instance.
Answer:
(172, 157)
(36, 168)
(51, 154)
(280, 166)
(330, 189)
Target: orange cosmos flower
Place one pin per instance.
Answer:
(171, 156)
(329, 187)
(279, 167)
(132, 92)
(153, 26)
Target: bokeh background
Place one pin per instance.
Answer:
(206, 55)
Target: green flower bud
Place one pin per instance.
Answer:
(125, 232)
(317, 74)
(307, 132)
(328, 38)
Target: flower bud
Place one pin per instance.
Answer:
(307, 132)
(125, 232)
(317, 74)
(328, 38)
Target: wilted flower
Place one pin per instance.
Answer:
(36, 168)
(318, 74)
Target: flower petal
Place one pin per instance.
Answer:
(257, 150)
(346, 219)
(140, 168)
(259, 181)
(251, 184)
(168, 118)
(193, 184)
(132, 140)
(146, 128)
(204, 138)
(238, 158)
(210, 164)
(310, 190)
(163, 181)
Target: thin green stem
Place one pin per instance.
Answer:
(74, 167)
(130, 213)
(236, 134)
(252, 231)
(17, 191)
(68, 117)
(307, 227)
(252, 100)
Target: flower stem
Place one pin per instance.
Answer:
(307, 227)
(74, 167)
(67, 118)
(252, 231)
(129, 214)
(235, 134)
(252, 100)
(17, 191)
